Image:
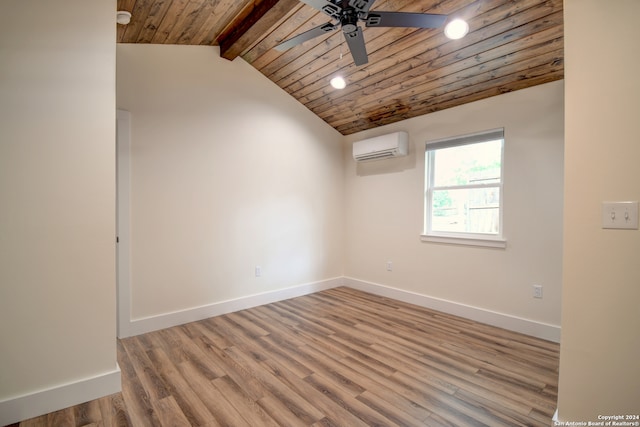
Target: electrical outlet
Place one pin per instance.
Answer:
(389, 266)
(537, 291)
(258, 271)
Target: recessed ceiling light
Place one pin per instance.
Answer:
(123, 17)
(456, 29)
(338, 82)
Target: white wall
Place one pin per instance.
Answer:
(385, 208)
(57, 201)
(228, 172)
(600, 349)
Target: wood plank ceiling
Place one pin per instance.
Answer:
(512, 44)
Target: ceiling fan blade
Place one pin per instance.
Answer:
(405, 19)
(355, 41)
(325, 6)
(307, 35)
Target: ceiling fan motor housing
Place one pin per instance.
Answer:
(349, 20)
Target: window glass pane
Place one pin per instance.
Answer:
(468, 164)
(474, 210)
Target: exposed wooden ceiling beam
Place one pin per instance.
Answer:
(250, 25)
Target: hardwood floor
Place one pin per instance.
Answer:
(339, 357)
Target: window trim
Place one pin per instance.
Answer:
(467, 239)
(463, 238)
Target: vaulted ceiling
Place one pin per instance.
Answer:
(512, 44)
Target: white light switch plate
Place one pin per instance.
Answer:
(620, 215)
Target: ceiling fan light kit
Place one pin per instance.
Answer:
(348, 13)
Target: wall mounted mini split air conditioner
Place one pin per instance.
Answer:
(381, 147)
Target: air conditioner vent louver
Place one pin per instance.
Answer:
(381, 147)
(376, 156)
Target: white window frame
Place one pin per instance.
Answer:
(462, 238)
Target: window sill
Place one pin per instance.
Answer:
(464, 240)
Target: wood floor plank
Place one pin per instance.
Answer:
(139, 407)
(62, 418)
(332, 370)
(224, 413)
(170, 413)
(87, 413)
(244, 403)
(252, 329)
(280, 412)
(497, 407)
(214, 354)
(287, 354)
(339, 357)
(279, 394)
(113, 411)
(33, 422)
(332, 389)
(390, 410)
(335, 413)
(388, 389)
(195, 354)
(192, 407)
(144, 368)
(362, 354)
(216, 339)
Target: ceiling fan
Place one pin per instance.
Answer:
(348, 13)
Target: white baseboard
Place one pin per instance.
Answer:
(55, 398)
(167, 320)
(501, 320)
(506, 321)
